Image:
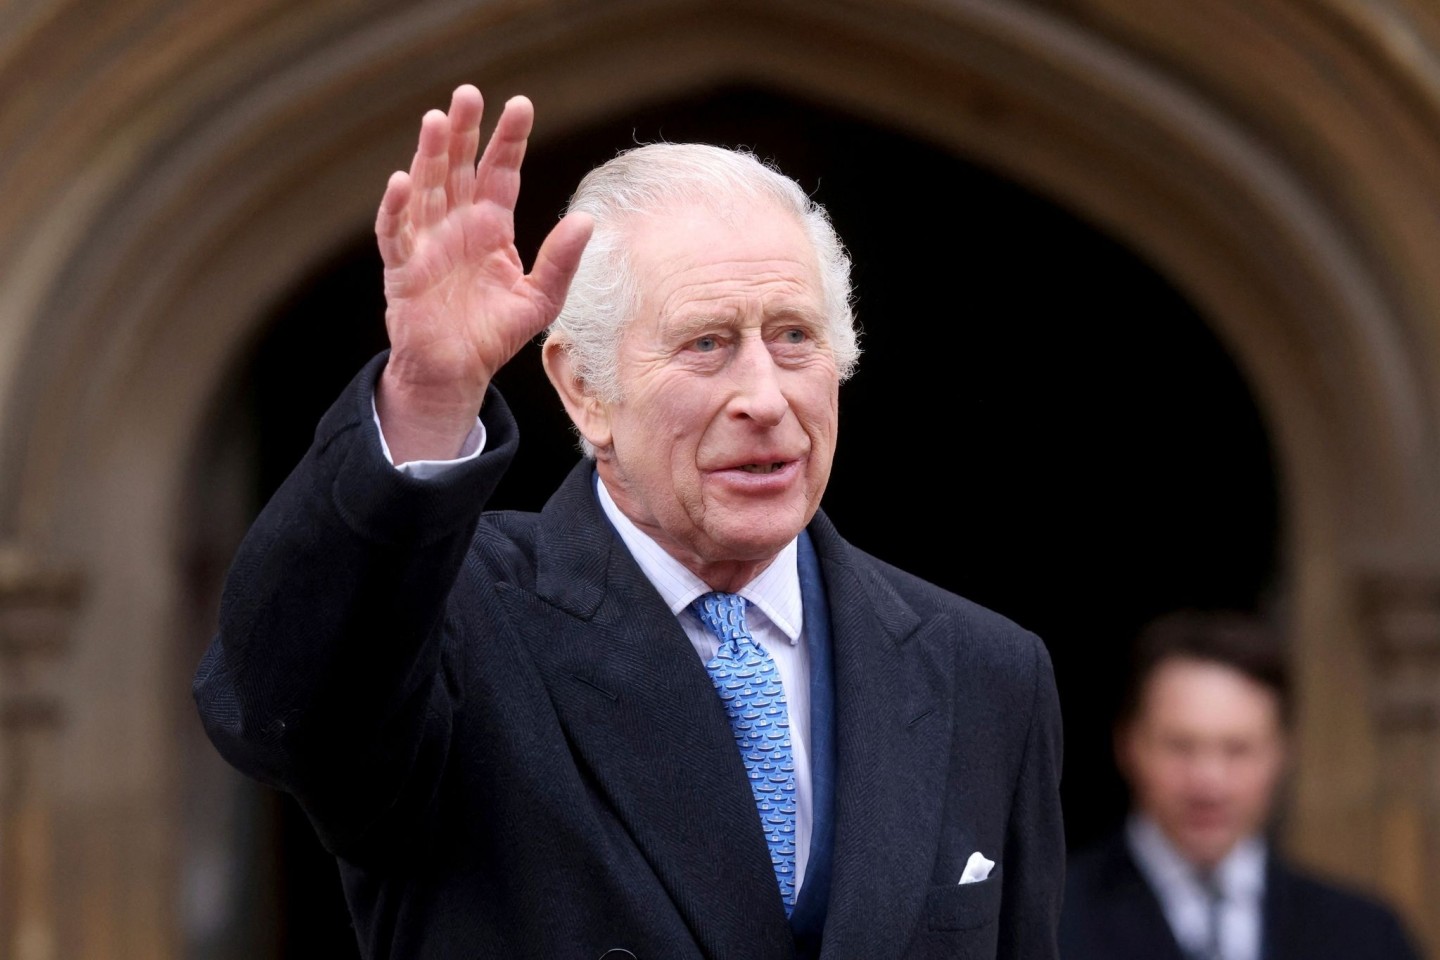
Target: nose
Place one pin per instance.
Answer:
(1209, 772)
(758, 395)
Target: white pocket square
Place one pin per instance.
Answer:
(977, 868)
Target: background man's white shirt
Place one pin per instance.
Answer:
(1176, 882)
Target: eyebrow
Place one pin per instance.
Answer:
(685, 326)
(689, 324)
(681, 329)
(797, 315)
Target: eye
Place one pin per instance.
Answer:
(794, 335)
(706, 344)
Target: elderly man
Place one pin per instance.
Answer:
(1201, 742)
(673, 715)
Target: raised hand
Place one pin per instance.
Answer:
(459, 303)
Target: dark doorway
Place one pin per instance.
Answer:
(1040, 421)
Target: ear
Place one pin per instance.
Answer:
(590, 416)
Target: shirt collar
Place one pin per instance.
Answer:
(776, 591)
(1240, 875)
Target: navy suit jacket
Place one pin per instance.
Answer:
(1111, 913)
(508, 743)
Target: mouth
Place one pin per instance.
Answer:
(761, 468)
(1207, 817)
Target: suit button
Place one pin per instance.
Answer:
(617, 953)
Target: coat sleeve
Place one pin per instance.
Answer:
(326, 677)
(1034, 876)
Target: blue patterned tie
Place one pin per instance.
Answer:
(748, 682)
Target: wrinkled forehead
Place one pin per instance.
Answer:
(713, 211)
(737, 231)
(749, 288)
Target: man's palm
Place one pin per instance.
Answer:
(459, 303)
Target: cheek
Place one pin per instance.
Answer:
(1170, 780)
(658, 417)
(819, 415)
(669, 436)
(1259, 783)
(677, 406)
(1171, 790)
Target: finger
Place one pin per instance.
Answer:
(392, 225)
(498, 178)
(428, 171)
(559, 257)
(466, 108)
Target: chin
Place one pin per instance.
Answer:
(1209, 849)
(757, 536)
(749, 549)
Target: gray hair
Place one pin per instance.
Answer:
(642, 180)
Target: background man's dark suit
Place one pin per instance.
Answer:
(508, 742)
(1111, 913)
(1202, 740)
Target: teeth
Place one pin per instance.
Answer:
(761, 467)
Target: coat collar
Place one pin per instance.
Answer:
(1135, 921)
(893, 720)
(642, 715)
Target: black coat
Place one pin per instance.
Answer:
(1111, 913)
(508, 742)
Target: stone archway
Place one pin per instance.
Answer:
(1294, 203)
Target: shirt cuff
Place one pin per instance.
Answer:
(473, 446)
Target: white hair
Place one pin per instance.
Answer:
(604, 295)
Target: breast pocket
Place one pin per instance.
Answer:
(964, 906)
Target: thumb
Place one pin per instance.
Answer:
(559, 258)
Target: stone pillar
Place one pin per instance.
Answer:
(1402, 617)
(36, 603)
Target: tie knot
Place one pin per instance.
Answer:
(723, 614)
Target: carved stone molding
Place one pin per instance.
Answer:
(1401, 611)
(37, 601)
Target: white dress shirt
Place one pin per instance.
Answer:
(1240, 877)
(775, 616)
(776, 619)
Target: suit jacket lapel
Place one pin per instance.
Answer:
(893, 730)
(807, 921)
(641, 715)
(1277, 918)
(1135, 919)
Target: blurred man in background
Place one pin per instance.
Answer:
(1202, 743)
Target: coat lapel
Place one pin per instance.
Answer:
(893, 717)
(642, 717)
(1277, 930)
(1134, 917)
